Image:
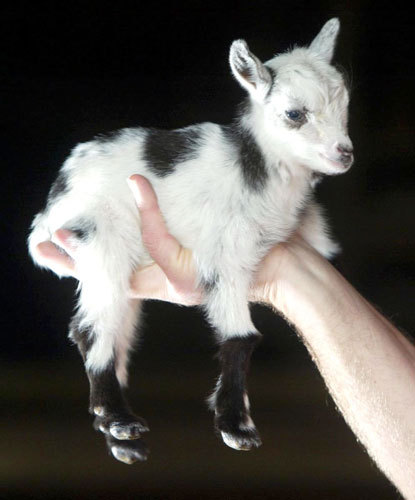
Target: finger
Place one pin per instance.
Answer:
(66, 240)
(50, 256)
(148, 283)
(175, 261)
(143, 192)
(161, 245)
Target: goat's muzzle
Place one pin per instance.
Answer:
(346, 155)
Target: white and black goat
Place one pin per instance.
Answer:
(228, 193)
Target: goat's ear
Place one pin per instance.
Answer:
(249, 70)
(325, 42)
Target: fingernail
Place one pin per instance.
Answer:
(136, 191)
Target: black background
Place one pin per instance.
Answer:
(73, 70)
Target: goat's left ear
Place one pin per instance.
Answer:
(325, 42)
(249, 70)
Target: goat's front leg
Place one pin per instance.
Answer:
(230, 399)
(107, 379)
(228, 311)
(315, 231)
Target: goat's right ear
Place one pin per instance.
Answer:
(249, 70)
(325, 42)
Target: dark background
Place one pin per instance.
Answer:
(77, 69)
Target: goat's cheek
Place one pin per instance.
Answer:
(313, 134)
(272, 123)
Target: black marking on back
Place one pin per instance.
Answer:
(251, 159)
(164, 149)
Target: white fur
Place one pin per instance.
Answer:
(206, 203)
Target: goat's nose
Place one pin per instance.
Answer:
(346, 154)
(345, 149)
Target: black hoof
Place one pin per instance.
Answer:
(128, 451)
(123, 436)
(123, 430)
(121, 427)
(239, 435)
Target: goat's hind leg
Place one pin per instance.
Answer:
(106, 367)
(228, 311)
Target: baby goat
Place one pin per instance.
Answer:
(228, 193)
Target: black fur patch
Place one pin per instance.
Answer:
(234, 356)
(82, 228)
(209, 284)
(81, 336)
(164, 149)
(294, 125)
(252, 161)
(273, 75)
(59, 187)
(315, 179)
(230, 409)
(107, 401)
(106, 391)
(107, 137)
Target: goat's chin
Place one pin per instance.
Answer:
(327, 166)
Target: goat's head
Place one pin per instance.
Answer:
(299, 102)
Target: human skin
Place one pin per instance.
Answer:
(367, 364)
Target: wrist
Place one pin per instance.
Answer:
(305, 282)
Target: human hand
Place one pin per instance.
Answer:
(59, 253)
(172, 275)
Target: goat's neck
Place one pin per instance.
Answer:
(276, 157)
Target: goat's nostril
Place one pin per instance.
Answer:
(344, 149)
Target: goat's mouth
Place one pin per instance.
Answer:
(341, 164)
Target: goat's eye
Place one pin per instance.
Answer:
(295, 115)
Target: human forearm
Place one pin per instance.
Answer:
(367, 364)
